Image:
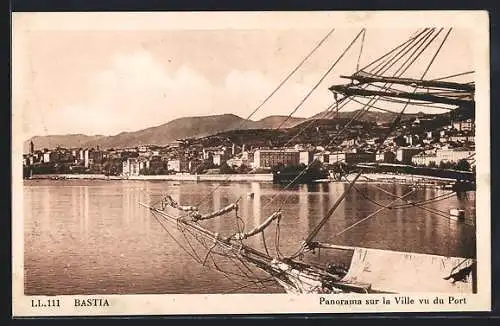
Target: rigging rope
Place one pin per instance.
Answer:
(393, 125)
(360, 50)
(415, 55)
(274, 92)
(406, 50)
(374, 213)
(209, 254)
(358, 114)
(302, 101)
(437, 52)
(409, 205)
(288, 76)
(320, 80)
(455, 75)
(404, 44)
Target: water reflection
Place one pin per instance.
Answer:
(93, 237)
(256, 201)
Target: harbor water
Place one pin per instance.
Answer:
(92, 236)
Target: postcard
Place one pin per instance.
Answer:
(250, 162)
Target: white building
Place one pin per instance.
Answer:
(130, 167)
(442, 155)
(46, 157)
(174, 165)
(86, 157)
(217, 159)
(466, 125)
(306, 157)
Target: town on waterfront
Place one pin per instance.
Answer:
(439, 143)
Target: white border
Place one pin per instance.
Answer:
(478, 21)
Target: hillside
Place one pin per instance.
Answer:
(187, 127)
(275, 121)
(195, 127)
(370, 116)
(176, 129)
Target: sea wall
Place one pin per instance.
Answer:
(174, 177)
(70, 176)
(206, 177)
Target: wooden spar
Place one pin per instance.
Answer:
(419, 96)
(331, 246)
(259, 228)
(364, 77)
(197, 216)
(330, 212)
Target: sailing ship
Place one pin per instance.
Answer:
(370, 270)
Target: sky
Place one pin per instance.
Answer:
(107, 80)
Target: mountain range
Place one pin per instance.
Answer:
(187, 127)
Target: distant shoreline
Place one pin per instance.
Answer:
(385, 178)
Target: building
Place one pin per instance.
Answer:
(405, 154)
(219, 158)
(46, 157)
(453, 155)
(194, 165)
(269, 158)
(156, 164)
(336, 157)
(466, 125)
(359, 157)
(86, 157)
(442, 155)
(174, 165)
(96, 156)
(130, 167)
(143, 164)
(458, 138)
(322, 157)
(389, 157)
(411, 140)
(306, 157)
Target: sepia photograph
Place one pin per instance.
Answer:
(262, 159)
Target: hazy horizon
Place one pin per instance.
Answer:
(107, 79)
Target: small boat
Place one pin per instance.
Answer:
(250, 195)
(457, 214)
(447, 186)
